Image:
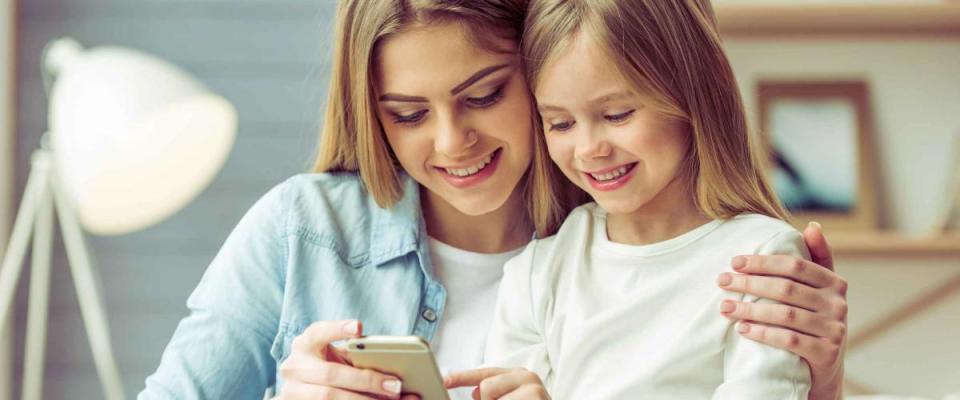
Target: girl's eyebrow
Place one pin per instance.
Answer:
(612, 97)
(619, 95)
(547, 107)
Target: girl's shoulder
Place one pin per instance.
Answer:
(572, 235)
(761, 225)
(760, 233)
(576, 221)
(581, 218)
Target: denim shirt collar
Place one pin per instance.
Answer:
(400, 230)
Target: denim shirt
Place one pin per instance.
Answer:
(316, 247)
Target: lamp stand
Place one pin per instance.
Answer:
(43, 194)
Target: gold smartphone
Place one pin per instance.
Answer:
(406, 357)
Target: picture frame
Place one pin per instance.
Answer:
(818, 138)
(949, 217)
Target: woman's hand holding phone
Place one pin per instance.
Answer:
(499, 384)
(317, 370)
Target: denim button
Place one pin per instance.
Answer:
(429, 315)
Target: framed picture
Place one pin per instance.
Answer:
(949, 217)
(819, 138)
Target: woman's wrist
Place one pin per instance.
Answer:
(832, 390)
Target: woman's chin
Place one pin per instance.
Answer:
(478, 206)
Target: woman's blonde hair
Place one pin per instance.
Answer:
(352, 138)
(668, 51)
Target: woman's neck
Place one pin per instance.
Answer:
(504, 229)
(671, 213)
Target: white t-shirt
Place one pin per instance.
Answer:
(470, 280)
(603, 320)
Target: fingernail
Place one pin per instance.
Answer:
(739, 262)
(392, 386)
(724, 279)
(815, 224)
(727, 306)
(351, 327)
(743, 328)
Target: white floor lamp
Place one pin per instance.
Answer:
(132, 140)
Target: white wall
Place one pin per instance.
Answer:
(915, 86)
(6, 172)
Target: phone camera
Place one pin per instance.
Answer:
(361, 346)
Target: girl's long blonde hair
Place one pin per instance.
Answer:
(352, 138)
(669, 50)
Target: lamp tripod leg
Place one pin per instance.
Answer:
(88, 295)
(37, 184)
(37, 311)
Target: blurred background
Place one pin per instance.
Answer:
(897, 243)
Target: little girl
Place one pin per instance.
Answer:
(641, 110)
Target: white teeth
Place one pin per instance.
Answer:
(610, 175)
(471, 170)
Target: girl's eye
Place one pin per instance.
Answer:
(619, 117)
(562, 126)
(409, 118)
(486, 101)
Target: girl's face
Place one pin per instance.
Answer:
(457, 116)
(603, 135)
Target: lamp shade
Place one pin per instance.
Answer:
(134, 138)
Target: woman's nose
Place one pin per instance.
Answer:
(454, 138)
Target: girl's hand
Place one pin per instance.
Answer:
(811, 322)
(317, 370)
(499, 383)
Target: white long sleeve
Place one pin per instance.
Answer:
(603, 320)
(756, 371)
(515, 337)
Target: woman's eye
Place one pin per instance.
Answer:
(562, 126)
(409, 118)
(486, 101)
(619, 117)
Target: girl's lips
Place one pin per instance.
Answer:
(611, 169)
(613, 184)
(462, 182)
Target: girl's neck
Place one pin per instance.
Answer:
(669, 214)
(504, 229)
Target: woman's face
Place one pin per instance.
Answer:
(606, 138)
(457, 116)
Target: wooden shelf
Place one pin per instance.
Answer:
(795, 19)
(891, 244)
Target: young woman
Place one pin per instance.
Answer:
(430, 176)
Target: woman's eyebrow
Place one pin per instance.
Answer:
(459, 88)
(476, 77)
(403, 98)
